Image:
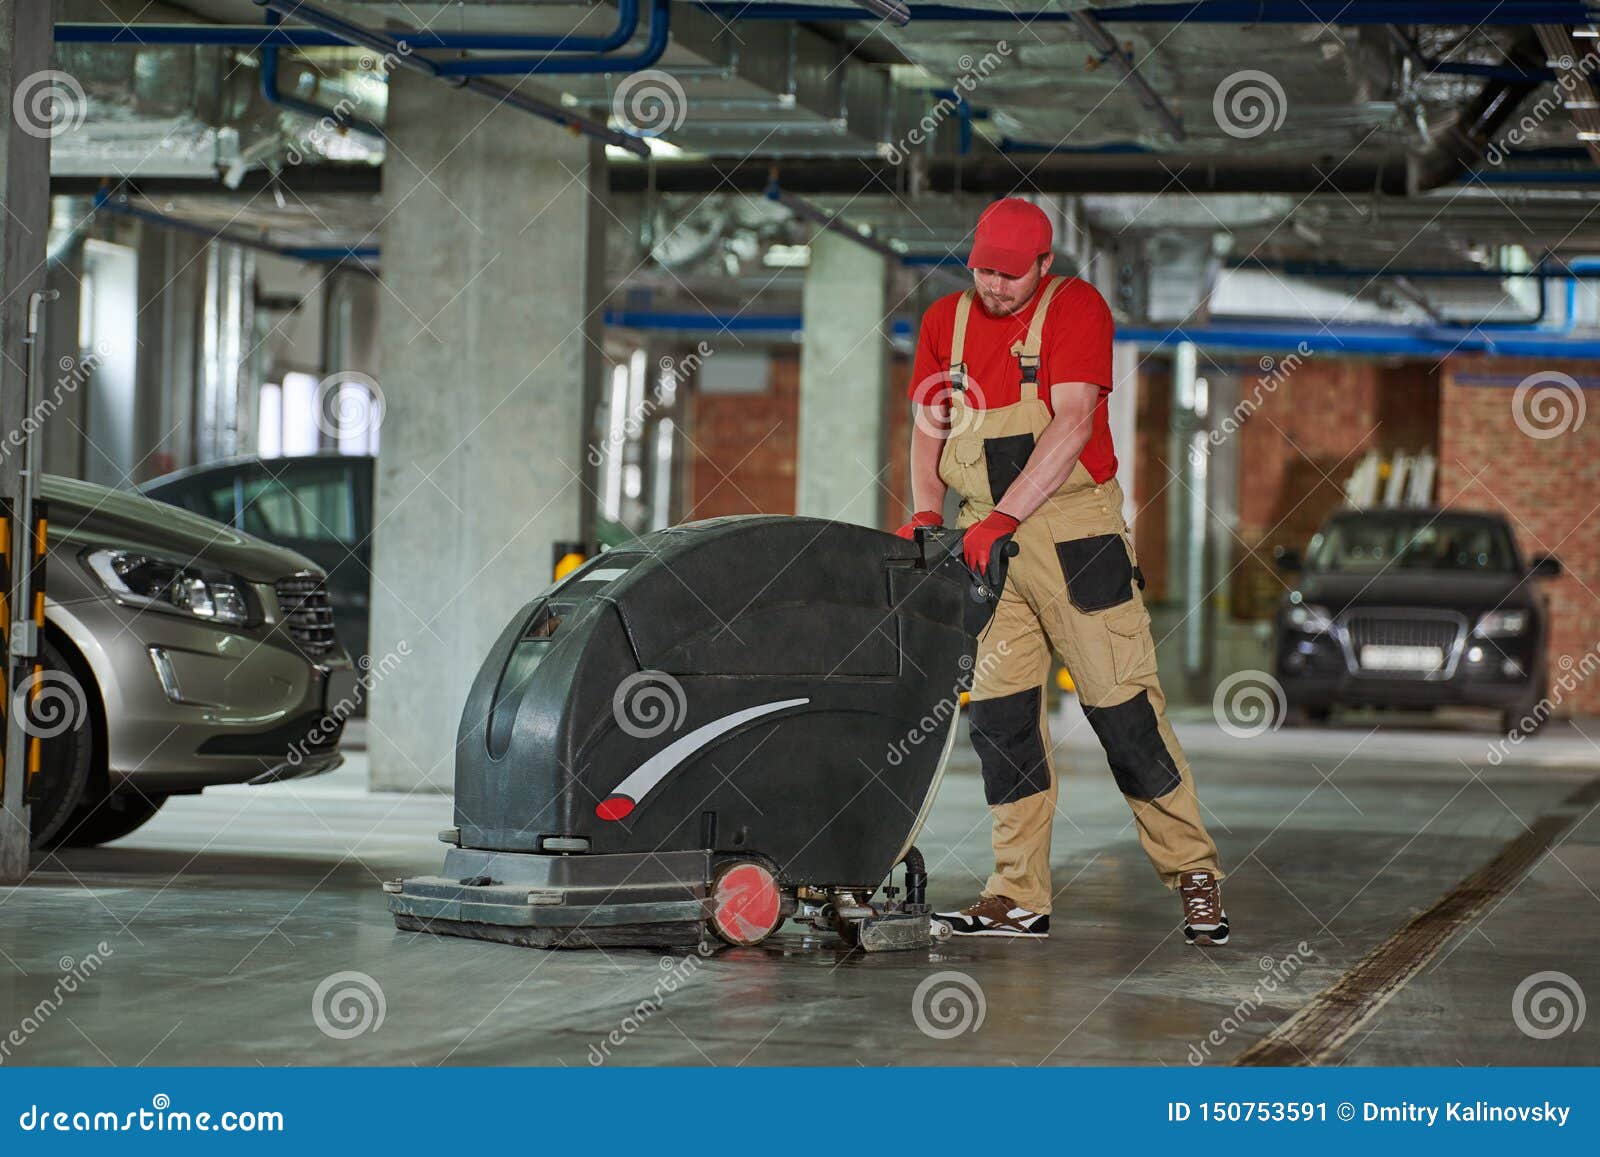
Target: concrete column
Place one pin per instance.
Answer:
(844, 368)
(489, 332)
(25, 46)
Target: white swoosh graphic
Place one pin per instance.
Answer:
(653, 770)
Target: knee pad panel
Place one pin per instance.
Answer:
(1005, 733)
(1140, 761)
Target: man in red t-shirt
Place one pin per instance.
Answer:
(1010, 386)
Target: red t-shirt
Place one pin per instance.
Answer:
(1076, 347)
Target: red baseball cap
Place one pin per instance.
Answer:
(1011, 234)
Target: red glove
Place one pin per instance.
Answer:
(920, 518)
(980, 538)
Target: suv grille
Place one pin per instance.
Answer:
(307, 613)
(1444, 630)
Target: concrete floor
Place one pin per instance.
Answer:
(225, 914)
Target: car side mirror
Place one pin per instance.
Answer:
(1545, 566)
(1287, 559)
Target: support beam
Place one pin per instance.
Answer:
(490, 339)
(25, 48)
(843, 382)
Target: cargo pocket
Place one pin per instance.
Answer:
(1133, 650)
(1098, 571)
(1006, 457)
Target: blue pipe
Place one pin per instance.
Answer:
(1533, 177)
(724, 322)
(1376, 339)
(654, 46)
(1430, 342)
(471, 69)
(251, 36)
(323, 255)
(1334, 269)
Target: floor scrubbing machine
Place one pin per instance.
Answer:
(700, 735)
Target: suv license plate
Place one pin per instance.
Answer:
(1376, 657)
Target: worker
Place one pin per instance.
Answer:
(1010, 383)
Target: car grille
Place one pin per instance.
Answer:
(1445, 630)
(307, 613)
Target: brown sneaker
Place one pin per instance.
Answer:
(1204, 921)
(997, 916)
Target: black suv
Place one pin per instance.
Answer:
(1414, 608)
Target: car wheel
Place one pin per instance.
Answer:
(109, 818)
(59, 716)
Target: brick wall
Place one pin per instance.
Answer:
(1549, 487)
(743, 446)
(1304, 426)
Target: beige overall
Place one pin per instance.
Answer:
(1071, 588)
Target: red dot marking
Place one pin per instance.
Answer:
(614, 808)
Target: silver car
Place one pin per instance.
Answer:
(178, 653)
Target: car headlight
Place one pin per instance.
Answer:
(1497, 624)
(145, 580)
(1310, 618)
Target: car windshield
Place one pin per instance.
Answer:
(1444, 542)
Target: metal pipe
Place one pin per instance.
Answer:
(829, 221)
(253, 36)
(1058, 173)
(1094, 32)
(655, 45)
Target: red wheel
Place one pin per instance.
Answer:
(745, 903)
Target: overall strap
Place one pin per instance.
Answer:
(1027, 351)
(958, 342)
